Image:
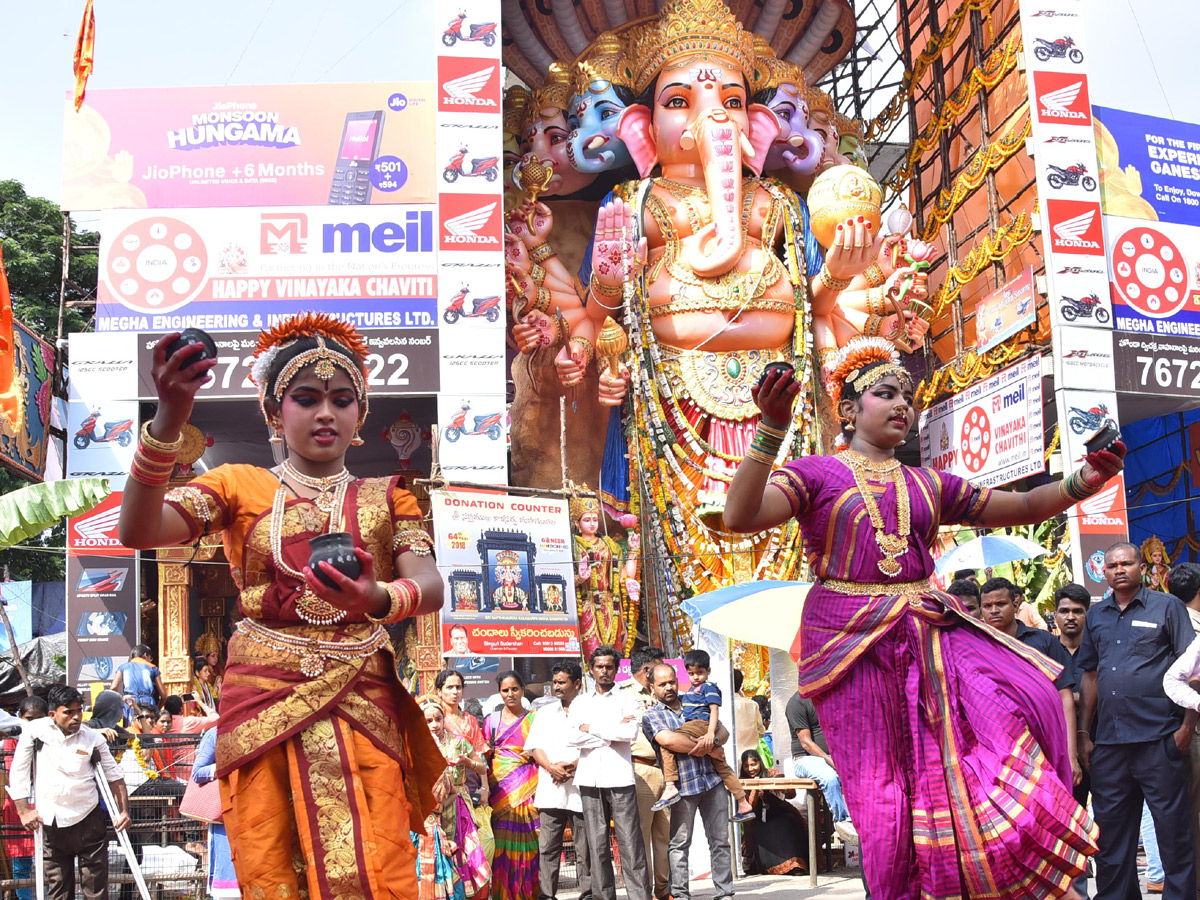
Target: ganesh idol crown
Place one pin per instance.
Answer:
(684, 212)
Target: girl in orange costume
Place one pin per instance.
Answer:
(324, 759)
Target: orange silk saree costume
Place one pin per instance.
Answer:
(325, 760)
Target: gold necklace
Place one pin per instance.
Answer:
(324, 486)
(311, 608)
(892, 546)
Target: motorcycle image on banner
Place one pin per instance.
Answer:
(1085, 307)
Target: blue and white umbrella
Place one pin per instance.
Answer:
(766, 613)
(990, 550)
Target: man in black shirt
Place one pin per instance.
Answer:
(811, 759)
(998, 601)
(1141, 739)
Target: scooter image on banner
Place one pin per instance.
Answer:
(121, 432)
(482, 31)
(488, 307)
(1085, 307)
(1063, 48)
(1070, 176)
(489, 425)
(1085, 420)
(486, 166)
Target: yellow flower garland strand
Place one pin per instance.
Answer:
(897, 105)
(961, 374)
(136, 746)
(995, 246)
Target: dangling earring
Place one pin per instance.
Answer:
(276, 433)
(902, 443)
(849, 425)
(357, 440)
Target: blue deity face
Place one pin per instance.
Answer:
(593, 145)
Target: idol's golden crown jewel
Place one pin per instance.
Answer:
(693, 28)
(555, 92)
(581, 506)
(606, 61)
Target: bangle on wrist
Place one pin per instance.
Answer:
(832, 282)
(603, 289)
(541, 252)
(405, 596)
(874, 275)
(153, 443)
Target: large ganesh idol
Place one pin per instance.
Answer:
(779, 85)
(713, 271)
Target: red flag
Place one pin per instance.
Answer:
(11, 406)
(85, 53)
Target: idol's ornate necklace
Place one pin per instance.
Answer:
(892, 546)
(325, 487)
(309, 607)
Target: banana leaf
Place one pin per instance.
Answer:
(32, 509)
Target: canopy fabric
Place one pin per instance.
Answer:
(766, 613)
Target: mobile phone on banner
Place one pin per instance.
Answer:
(360, 145)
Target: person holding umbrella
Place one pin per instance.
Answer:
(961, 786)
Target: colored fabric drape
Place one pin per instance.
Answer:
(514, 817)
(962, 785)
(85, 53)
(11, 405)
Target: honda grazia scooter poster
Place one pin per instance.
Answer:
(101, 438)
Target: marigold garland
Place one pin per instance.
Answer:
(897, 106)
(994, 70)
(962, 373)
(1138, 494)
(987, 158)
(993, 247)
(136, 746)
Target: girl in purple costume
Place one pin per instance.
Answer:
(955, 755)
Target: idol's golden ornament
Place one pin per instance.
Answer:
(533, 177)
(840, 193)
(604, 63)
(611, 343)
(705, 29)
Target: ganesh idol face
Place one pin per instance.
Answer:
(508, 575)
(593, 145)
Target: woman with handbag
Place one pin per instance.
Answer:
(202, 801)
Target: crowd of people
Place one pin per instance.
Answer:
(593, 763)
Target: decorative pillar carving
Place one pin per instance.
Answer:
(174, 583)
(428, 655)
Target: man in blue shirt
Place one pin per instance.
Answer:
(140, 677)
(1130, 639)
(998, 602)
(700, 786)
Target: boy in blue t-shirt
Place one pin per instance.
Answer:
(701, 703)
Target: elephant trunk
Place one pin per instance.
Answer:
(721, 145)
(809, 146)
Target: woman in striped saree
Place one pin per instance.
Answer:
(955, 754)
(513, 780)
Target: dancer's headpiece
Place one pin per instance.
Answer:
(863, 363)
(309, 339)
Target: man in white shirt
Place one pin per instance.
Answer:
(556, 796)
(67, 800)
(648, 776)
(605, 722)
(748, 727)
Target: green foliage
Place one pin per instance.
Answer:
(33, 565)
(31, 235)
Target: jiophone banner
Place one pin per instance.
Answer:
(250, 145)
(991, 433)
(508, 571)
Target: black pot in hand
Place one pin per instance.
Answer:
(337, 549)
(194, 336)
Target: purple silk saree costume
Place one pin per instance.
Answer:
(949, 735)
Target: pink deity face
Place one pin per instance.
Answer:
(589, 524)
(1156, 557)
(546, 138)
(685, 93)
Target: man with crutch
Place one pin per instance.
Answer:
(53, 764)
